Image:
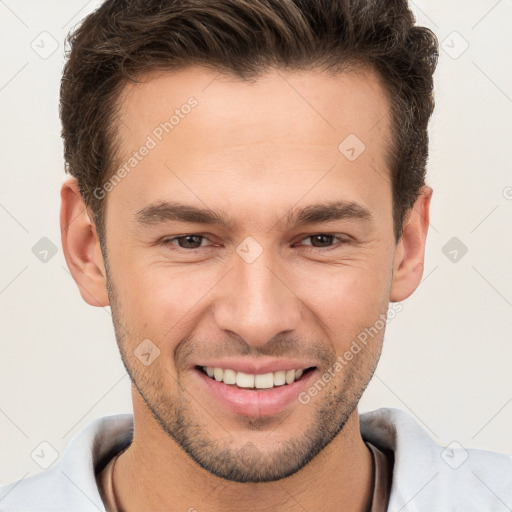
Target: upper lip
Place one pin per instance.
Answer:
(259, 366)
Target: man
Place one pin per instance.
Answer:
(248, 195)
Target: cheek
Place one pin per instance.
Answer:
(161, 302)
(355, 286)
(346, 299)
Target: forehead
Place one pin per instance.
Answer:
(211, 132)
(281, 104)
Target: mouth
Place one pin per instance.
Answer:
(255, 382)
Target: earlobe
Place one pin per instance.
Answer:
(410, 252)
(81, 246)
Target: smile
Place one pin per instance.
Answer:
(254, 381)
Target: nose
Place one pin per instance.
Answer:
(257, 301)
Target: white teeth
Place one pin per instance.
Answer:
(244, 380)
(229, 376)
(247, 380)
(264, 381)
(279, 378)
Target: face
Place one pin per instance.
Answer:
(272, 280)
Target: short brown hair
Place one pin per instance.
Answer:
(123, 39)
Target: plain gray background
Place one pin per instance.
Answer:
(447, 355)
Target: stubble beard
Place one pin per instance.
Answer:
(248, 463)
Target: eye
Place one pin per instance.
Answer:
(323, 241)
(189, 242)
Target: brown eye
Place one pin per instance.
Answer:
(190, 241)
(324, 242)
(185, 241)
(321, 240)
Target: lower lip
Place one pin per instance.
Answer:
(249, 402)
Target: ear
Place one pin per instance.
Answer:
(81, 246)
(410, 252)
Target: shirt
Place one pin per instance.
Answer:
(426, 477)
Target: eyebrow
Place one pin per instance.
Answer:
(165, 211)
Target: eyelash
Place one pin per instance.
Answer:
(168, 242)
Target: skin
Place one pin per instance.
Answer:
(254, 150)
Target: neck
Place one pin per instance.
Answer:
(155, 473)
